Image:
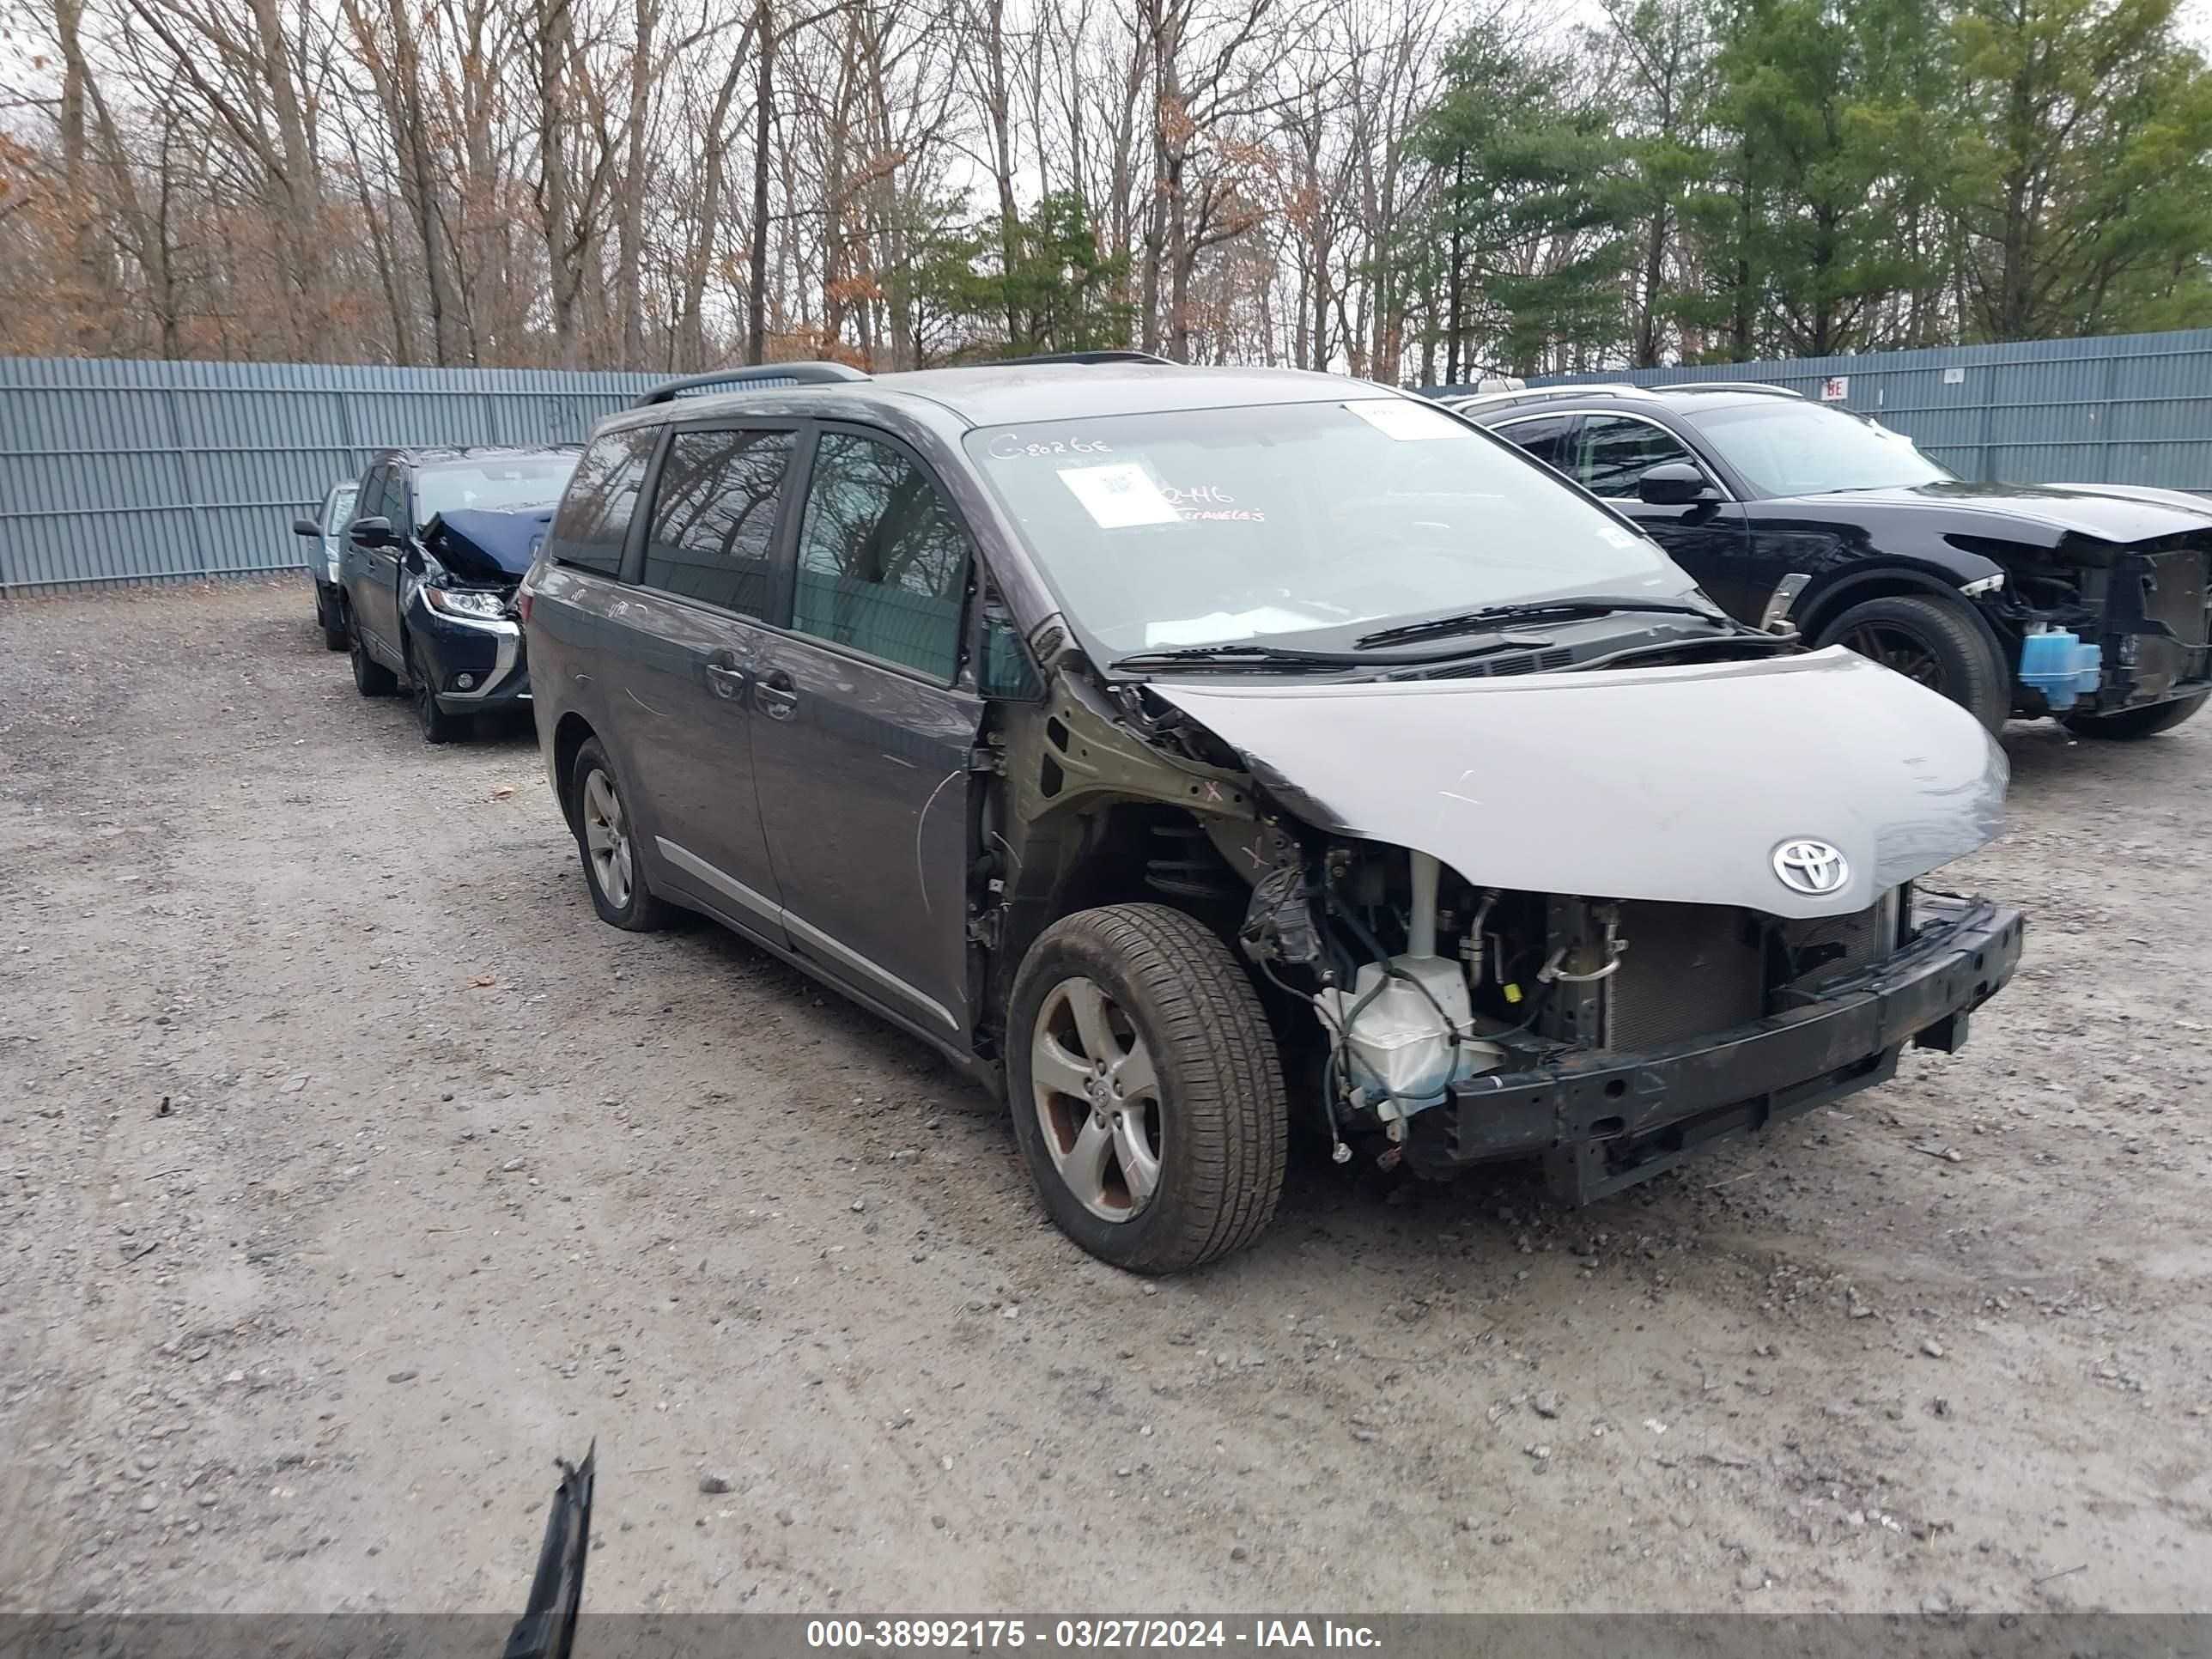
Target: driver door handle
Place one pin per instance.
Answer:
(725, 678)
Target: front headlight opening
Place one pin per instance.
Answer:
(492, 606)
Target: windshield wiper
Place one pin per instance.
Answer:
(1233, 656)
(1265, 657)
(1582, 604)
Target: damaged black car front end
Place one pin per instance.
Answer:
(460, 608)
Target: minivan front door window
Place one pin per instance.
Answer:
(883, 564)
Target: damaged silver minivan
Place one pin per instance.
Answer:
(1196, 755)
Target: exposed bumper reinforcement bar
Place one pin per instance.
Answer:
(1605, 1121)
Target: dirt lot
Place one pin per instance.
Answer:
(451, 1178)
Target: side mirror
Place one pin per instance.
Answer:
(412, 558)
(307, 527)
(370, 532)
(1005, 670)
(1673, 483)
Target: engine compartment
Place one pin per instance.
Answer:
(1417, 978)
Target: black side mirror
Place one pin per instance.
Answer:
(1005, 670)
(1673, 483)
(412, 558)
(370, 532)
(307, 527)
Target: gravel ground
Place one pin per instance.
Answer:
(354, 1170)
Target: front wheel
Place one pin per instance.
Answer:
(370, 677)
(1933, 642)
(1147, 1095)
(438, 725)
(2125, 725)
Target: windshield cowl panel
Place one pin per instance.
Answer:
(1298, 526)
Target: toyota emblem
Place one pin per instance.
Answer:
(1810, 866)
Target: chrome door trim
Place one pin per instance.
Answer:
(808, 933)
(805, 933)
(728, 885)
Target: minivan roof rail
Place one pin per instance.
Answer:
(1729, 385)
(759, 376)
(1534, 394)
(1114, 356)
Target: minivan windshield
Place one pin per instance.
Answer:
(1784, 448)
(1311, 520)
(497, 483)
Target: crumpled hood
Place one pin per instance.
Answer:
(1675, 783)
(483, 545)
(2106, 512)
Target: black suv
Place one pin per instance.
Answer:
(2084, 601)
(439, 539)
(1189, 752)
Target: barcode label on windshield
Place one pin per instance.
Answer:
(1119, 496)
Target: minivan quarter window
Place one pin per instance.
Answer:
(711, 538)
(593, 522)
(883, 564)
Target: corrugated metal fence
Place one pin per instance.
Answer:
(2128, 408)
(149, 471)
(155, 471)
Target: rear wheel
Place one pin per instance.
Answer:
(1147, 1094)
(1933, 642)
(607, 838)
(370, 677)
(2124, 724)
(438, 725)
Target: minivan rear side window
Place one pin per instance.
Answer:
(593, 521)
(883, 564)
(713, 518)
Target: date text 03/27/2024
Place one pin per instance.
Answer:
(1084, 1635)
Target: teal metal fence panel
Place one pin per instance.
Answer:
(127, 472)
(2134, 409)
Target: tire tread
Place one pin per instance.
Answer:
(1230, 1107)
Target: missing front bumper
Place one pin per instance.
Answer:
(1603, 1122)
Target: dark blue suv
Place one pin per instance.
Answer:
(439, 540)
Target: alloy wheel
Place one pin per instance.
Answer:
(606, 839)
(1898, 649)
(1098, 1100)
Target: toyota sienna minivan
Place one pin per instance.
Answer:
(1193, 754)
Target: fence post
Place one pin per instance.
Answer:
(187, 474)
(2112, 390)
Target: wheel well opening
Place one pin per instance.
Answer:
(1877, 584)
(1131, 853)
(569, 737)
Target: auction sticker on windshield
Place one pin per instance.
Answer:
(1120, 497)
(1406, 420)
